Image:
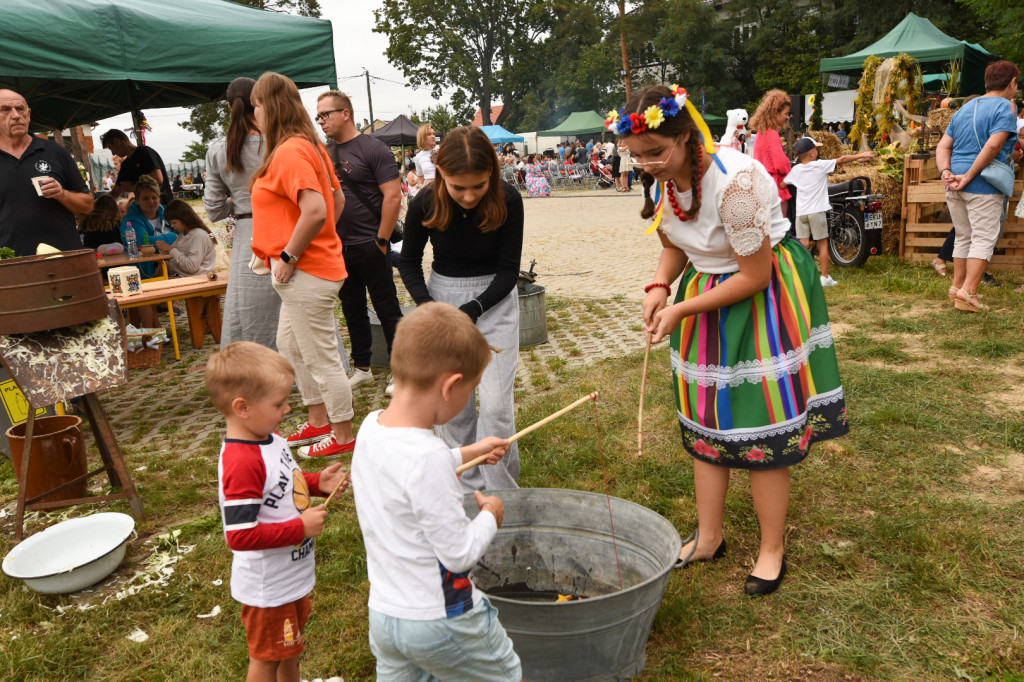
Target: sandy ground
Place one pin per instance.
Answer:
(590, 244)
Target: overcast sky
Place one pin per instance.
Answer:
(356, 47)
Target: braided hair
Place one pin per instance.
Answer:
(673, 126)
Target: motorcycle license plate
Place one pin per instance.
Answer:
(873, 221)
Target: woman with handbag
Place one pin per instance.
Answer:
(251, 305)
(972, 161)
(296, 201)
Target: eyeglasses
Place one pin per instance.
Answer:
(322, 116)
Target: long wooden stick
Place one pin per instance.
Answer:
(643, 390)
(346, 477)
(533, 427)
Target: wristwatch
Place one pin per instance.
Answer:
(288, 258)
(382, 242)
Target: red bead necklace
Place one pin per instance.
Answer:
(671, 192)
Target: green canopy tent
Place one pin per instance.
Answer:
(920, 38)
(77, 61)
(578, 123)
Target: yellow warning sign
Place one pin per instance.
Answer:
(15, 402)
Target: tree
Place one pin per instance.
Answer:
(476, 47)
(1002, 21)
(819, 103)
(443, 119)
(210, 120)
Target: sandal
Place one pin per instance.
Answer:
(939, 266)
(952, 294)
(970, 304)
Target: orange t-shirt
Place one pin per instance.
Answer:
(275, 209)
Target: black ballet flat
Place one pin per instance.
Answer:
(758, 587)
(683, 563)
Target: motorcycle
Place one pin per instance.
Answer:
(854, 222)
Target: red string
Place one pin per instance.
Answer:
(607, 495)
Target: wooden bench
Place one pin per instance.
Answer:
(202, 304)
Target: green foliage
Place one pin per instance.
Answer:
(481, 50)
(444, 118)
(1003, 19)
(819, 101)
(196, 152)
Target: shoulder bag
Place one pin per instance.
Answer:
(999, 174)
(399, 232)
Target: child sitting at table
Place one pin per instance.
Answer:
(102, 227)
(194, 252)
(420, 545)
(264, 500)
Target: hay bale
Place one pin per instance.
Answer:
(892, 199)
(830, 147)
(940, 118)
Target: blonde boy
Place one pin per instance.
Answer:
(264, 500)
(420, 544)
(810, 177)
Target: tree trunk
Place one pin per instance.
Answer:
(625, 52)
(80, 152)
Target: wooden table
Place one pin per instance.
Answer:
(119, 259)
(197, 292)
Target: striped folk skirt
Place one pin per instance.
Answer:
(757, 382)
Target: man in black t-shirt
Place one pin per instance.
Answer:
(41, 188)
(138, 161)
(365, 166)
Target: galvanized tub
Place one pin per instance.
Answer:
(533, 314)
(48, 292)
(560, 541)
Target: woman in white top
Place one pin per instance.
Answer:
(427, 141)
(755, 371)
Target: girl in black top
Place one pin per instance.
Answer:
(474, 222)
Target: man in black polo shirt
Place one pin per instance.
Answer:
(31, 216)
(138, 161)
(366, 167)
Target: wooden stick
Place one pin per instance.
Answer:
(643, 390)
(533, 427)
(346, 477)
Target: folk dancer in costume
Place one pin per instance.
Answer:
(755, 372)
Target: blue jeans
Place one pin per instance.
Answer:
(473, 646)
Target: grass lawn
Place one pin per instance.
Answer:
(904, 538)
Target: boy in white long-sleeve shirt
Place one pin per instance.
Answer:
(426, 616)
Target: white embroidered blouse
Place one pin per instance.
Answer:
(738, 209)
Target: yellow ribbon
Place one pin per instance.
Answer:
(661, 210)
(705, 132)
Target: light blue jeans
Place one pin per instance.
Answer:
(470, 647)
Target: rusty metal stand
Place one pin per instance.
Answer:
(113, 462)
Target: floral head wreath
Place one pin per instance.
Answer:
(653, 116)
(651, 119)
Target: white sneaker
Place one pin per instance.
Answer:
(360, 377)
(390, 389)
(828, 281)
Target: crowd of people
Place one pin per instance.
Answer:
(740, 300)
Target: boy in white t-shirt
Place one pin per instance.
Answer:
(427, 619)
(264, 501)
(810, 177)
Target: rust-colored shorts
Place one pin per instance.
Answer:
(275, 634)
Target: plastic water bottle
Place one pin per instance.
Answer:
(133, 247)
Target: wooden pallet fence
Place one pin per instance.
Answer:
(926, 221)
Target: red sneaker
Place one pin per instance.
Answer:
(308, 434)
(328, 447)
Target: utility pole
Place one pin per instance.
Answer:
(369, 97)
(625, 52)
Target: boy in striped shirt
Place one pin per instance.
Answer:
(264, 500)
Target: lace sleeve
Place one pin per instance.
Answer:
(746, 210)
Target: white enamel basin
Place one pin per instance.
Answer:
(71, 555)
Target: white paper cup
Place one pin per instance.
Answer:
(36, 182)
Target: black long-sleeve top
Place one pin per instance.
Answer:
(462, 250)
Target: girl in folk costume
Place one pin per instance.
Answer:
(754, 368)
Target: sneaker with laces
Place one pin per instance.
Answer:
(328, 447)
(389, 390)
(360, 377)
(308, 433)
(828, 281)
